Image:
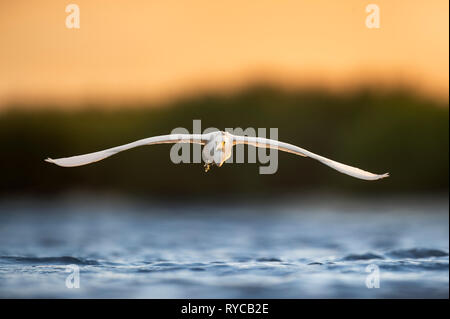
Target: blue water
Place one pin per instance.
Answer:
(297, 248)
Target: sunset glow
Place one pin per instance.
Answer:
(147, 50)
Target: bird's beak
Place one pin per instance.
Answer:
(220, 146)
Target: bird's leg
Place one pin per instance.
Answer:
(207, 167)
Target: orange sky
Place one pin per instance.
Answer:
(160, 49)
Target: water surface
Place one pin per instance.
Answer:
(295, 249)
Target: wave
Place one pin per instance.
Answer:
(268, 259)
(416, 253)
(366, 256)
(63, 260)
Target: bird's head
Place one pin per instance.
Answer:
(218, 149)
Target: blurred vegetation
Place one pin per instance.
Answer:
(394, 132)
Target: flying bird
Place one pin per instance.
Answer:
(217, 149)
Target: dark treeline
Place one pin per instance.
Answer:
(394, 132)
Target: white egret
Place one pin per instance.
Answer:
(217, 149)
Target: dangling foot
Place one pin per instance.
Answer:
(207, 167)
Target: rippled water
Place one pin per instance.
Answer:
(296, 249)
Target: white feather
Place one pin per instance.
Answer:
(285, 147)
(98, 156)
(225, 153)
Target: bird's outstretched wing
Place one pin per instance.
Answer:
(285, 147)
(98, 156)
